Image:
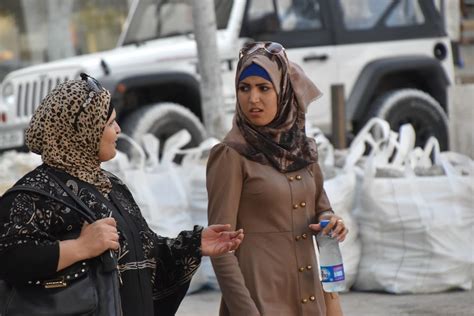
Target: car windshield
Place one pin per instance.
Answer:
(366, 14)
(155, 19)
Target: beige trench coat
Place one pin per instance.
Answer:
(274, 271)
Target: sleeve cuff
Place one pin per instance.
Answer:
(197, 236)
(326, 212)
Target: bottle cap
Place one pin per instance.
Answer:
(324, 223)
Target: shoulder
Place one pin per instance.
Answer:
(113, 178)
(120, 189)
(224, 149)
(117, 184)
(224, 158)
(36, 179)
(225, 153)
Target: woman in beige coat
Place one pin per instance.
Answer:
(264, 177)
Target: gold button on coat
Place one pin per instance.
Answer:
(303, 204)
(291, 178)
(312, 298)
(309, 267)
(295, 206)
(298, 177)
(297, 238)
(304, 301)
(304, 236)
(301, 269)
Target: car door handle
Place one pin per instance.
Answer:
(322, 57)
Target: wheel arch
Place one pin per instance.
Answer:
(130, 93)
(383, 75)
(163, 119)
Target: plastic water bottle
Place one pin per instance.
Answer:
(330, 260)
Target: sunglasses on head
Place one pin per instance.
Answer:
(270, 47)
(94, 86)
(92, 83)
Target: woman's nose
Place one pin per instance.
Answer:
(254, 96)
(118, 130)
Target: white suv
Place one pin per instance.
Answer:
(393, 58)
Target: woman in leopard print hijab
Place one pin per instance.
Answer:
(67, 127)
(74, 130)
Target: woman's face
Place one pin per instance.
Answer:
(258, 100)
(108, 142)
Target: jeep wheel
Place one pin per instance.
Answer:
(163, 120)
(417, 108)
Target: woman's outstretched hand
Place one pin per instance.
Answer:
(219, 239)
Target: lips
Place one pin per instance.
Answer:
(255, 110)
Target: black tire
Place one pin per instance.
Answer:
(419, 109)
(163, 120)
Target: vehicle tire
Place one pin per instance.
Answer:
(419, 109)
(163, 120)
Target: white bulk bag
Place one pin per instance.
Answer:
(416, 231)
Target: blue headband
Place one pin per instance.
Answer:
(254, 70)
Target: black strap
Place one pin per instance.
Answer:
(23, 188)
(71, 194)
(108, 258)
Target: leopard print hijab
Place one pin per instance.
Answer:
(282, 143)
(66, 130)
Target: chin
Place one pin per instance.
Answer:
(259, 123)
(107, 156)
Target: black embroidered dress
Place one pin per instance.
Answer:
(155, 270)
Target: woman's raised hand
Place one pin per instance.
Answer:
(219, 239)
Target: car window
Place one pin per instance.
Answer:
(165, 18)
(299, 15)
(362, 14)
(257, 9)
(287, 16)
(366, 14)
(406, 13)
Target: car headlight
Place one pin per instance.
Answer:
(8, 94)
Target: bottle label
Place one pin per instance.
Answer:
(332, 273)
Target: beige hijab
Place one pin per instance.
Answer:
(66, 130)
(282, 143)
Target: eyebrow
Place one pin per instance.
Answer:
(112, 119)
(258, 84)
